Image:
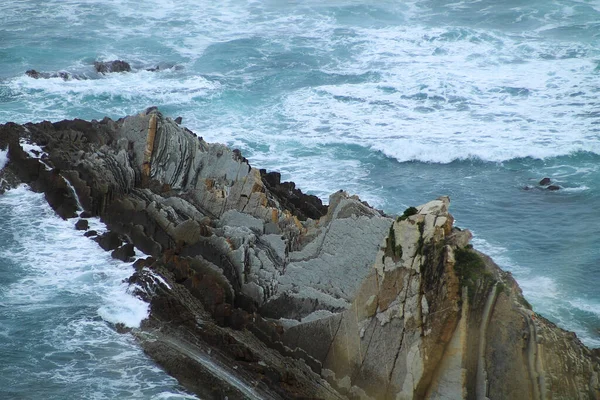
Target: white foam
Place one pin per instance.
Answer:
(167, 395)
(468, 102)
(124, 308)
(499, 254)
(321, 175)
(411, 123)
(577, 189)
(539, 288)
(59, 259)
(437, 94)
(587, 306)
(117, 93)
(536, 289)
(3, 158)
(34, 151)
(56, 309)
(161, 280)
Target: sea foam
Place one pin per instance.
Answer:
(58, 308)
(58, 259)
(3, 158)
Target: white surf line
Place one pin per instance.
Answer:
(36, 152)
(70, 186)
(3, 158)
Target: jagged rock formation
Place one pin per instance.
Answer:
(260, 291)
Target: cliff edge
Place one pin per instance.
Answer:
(260, 291)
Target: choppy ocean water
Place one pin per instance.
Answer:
(399, 102)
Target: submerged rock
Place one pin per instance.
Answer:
(99, 68)
(260, 291)
(82, 225)
(124, 253)
(109, 241)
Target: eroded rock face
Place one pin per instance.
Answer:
(251, 278)
(435, 319)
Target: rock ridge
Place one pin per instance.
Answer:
(258, 290)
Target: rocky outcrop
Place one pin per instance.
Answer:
(436, 319)
(104, 67)
(100, 68)
(260, 291)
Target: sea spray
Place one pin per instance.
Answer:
(60, 298)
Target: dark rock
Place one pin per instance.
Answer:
(109, 241)
(144, 242)
(8, 180)
(150, 110)
(299, 204)
(124, 253)
(121, 328)
(178, 120)
(85, 214)
(545, 181)
(239, 319)
(90, 233)
(82, 225)
(237, 155)
(57, 193)
(32, 73)
(553, 187)
(104, 67)
(140, 263)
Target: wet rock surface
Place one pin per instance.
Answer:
(82, 225)
(260, 291)
(104, 67)
(98, 69)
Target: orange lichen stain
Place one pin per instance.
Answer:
(298, 224)
(262, 200)
(257, 187)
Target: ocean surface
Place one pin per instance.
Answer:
(398, 102)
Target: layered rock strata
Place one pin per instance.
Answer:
(260, 291)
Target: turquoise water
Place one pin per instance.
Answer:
(397, 102)
(59, 289)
